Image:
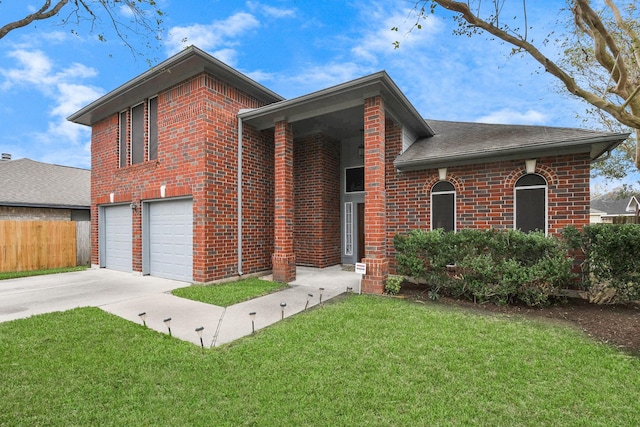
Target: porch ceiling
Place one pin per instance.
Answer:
(338, 124)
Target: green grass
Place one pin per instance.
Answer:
(362, 360)
(226, 294)
(18, 274)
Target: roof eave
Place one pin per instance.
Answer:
(552, 148)
(44, 205)
(179, 67)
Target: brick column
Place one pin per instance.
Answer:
(375, 197)
(283, 259)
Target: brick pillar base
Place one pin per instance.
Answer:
(377, 273)
(284, 267)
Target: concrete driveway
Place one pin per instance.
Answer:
(24, 297)
(126, 295)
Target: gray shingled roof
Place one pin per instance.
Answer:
(26, 182)
(613, 205)
(459, 143)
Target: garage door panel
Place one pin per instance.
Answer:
(171, 239)
(117, 238)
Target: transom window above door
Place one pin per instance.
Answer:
(354, 179)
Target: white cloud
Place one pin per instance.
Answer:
(63, 87)
(317, 77)
(270, 11)
(228, 56)
(72, 97)
(380, 39)
(261, 76)
(366, 47)
(126, 10)
(33, 67)
(215, 36)
(506, 116)
(55, 37)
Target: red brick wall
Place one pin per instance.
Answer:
(257, 199)
(316, 165)
(197, 157)
(484, 192)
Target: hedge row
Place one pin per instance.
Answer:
(509, 266)
(500, 266)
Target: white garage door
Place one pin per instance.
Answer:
(171, 239)
(117, 238)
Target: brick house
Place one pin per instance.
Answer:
(199, 173)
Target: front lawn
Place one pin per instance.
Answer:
(226, 294)
(361, 360)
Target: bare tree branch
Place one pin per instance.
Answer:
(143, 20)
(43, 13)
(549, 65)
(612, 57)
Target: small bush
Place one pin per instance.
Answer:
(393, 285)
(500, 266)
(612, 259)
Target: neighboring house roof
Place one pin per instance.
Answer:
(615, 206)
(187, 63)
(459, 143)
(633, 205)
(28, 183)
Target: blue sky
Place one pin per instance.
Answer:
(292, 47)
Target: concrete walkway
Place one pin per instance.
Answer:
(223, 325)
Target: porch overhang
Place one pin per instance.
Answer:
(343, 97)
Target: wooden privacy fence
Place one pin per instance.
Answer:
(39, 245)
(626, 220)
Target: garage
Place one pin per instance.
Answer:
(115, 238)
(169, 246)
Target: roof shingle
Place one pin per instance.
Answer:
(25, 182)
(465, 143)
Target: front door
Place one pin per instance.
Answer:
(360, 231)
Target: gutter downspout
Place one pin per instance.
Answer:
(239, 196)
(604, 156)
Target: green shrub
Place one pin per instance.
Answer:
(393, 284)
(612, 259)
(500, 266)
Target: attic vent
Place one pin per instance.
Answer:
(6, 156)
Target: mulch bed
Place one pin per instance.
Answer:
(615, 324)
